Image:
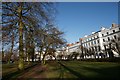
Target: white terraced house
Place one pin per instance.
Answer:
(98, 44)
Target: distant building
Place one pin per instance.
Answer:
(74, 47)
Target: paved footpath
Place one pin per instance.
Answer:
(35, 72)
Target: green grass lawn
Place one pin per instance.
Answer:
(9, 68)
(84, 70)
(55, 70)
(12, 68)
(73, 69)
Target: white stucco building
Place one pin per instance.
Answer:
(96, 43)
(74, 47)
(100, 41)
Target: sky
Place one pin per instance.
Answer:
(78, 19)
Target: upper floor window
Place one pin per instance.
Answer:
(88, 39)
(113, 31)
(89, 44)
(102, 34)
(108, 39)
(103, 40)
(94, 42)
(115, 37)
(98, 41)
(86, 44)
(83, 45)
(92, 38)
(119, 28)
(107, 32)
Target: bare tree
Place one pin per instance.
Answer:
(52, 39)
(115, 45)
(25, 14)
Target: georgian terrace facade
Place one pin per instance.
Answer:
(95, 44)
(99, 41)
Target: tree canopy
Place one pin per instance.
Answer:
(31, 25)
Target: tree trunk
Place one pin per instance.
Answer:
(43, 60)
(117, 47)
(21, 53)
(28, 58)
(41, 48)
(32, 55)
(2, 54)
(111, 55)
(11, 53)
(9, 58)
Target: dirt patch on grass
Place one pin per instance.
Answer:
(36, 72)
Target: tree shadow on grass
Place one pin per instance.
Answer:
(62, 71)
(17, 73)
(40, 71)
(79, 76)
(109, 73)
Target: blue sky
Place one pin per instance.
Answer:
(77, 19)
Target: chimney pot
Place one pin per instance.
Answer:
(113, 24)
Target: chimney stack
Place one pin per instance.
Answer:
(113, 24)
